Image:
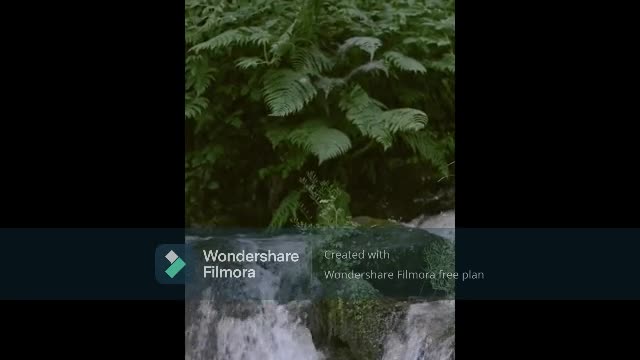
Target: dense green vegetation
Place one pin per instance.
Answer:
(360, 92)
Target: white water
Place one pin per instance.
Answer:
(266, 330)
(272, 334)
(443, 224)
(275, 333)
(427, 333)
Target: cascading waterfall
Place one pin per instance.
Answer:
(427, 333)
(218, 328)
(274, 333)
(271, 332)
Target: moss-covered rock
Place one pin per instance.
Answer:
(357, 317)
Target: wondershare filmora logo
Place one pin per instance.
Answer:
(177, 264)
(170, 264)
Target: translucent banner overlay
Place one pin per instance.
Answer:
(323, 263)
(386, 262)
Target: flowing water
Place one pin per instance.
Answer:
(279, 328)
(272, 332)
(428, 332)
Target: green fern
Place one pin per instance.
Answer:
(324, 142)
(311, 61)
(428, 149)
(404, 63)
(314, 137)
(353, 13)
(365, 43)
(446, 63)
(370, 124)
(194, 106)
(437, 40)
(287, 92)
(374, 67)
(365, 113)
(245, 63)
(327, 84)
(223, 40)
(257, 36)
(198, 73)
(357, 100)
(287, 210)
(372, 121)
(448, 23)
(253, 35)
(404, 119)
(283, 44)
(246, 60)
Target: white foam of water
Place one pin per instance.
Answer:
(443, 224)
(427, 333)
(271, 334)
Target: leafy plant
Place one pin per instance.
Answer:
(327, 206)
(328, 219)
(363, 87)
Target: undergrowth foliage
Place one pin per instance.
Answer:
(351, 89)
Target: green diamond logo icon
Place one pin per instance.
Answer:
(177, 264)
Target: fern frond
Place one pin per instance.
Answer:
(370, 125)
(404, 119)
(428, 149)
(287, 210)
(357, 100)
(327, 84)
(257, 36)
(245, 63)
(194, 106)
(192, 35)
(447, 63)
(307, 17)
(365, 113)
(311, 61)
(283, 44)
(371, 67)
(287, 92)
(439, 40)
(353, 13)
(324, 142)
(404, 62)
(363, 100)
(372, 121)
(253, 35)
(448, 24)
(198, 73)
(365, 43)
(223, 40)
